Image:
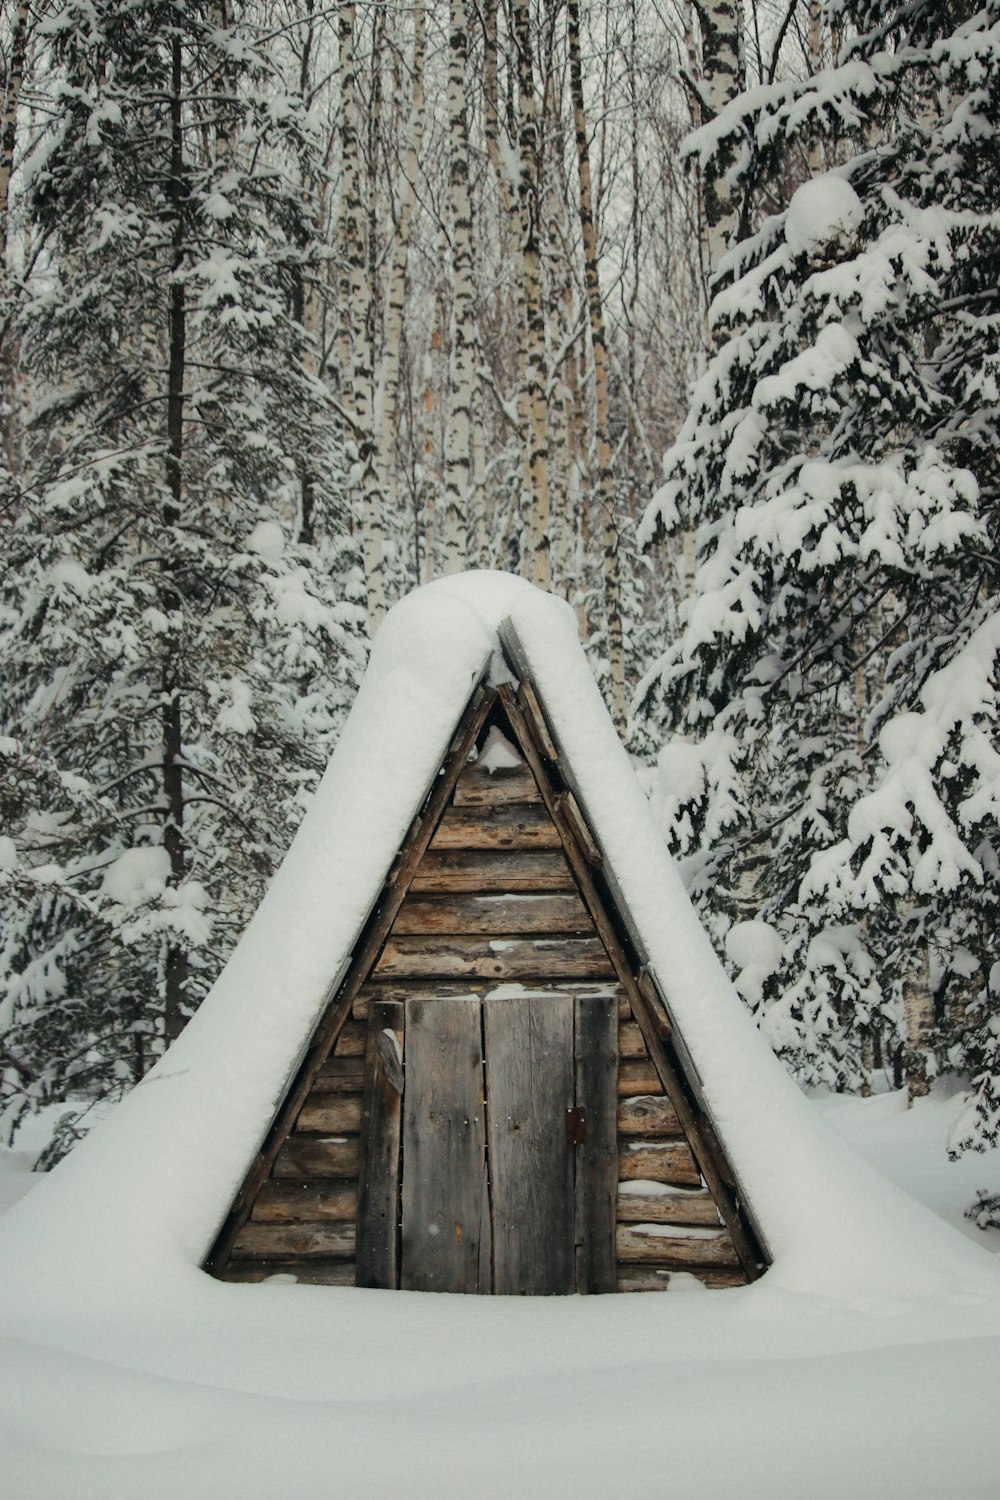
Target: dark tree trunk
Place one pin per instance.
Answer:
(176, 959)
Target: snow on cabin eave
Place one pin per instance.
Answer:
(824, 1215)
(160, 1173)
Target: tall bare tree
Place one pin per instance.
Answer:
(464, 341)
(595, 306)
(534, 411)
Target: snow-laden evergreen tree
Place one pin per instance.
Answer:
(178, 636)
(834, 774)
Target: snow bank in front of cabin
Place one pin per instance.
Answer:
(248, 1393)
(131, 1213)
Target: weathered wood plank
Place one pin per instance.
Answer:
(497, 958)
(330, 1114)
(351, 1041)
(697, 1248)
(496, 828)
(654, 1161)
(668, 1207)
(648, 1114)
(378, 1201)
(340, 1075)
(304, 1156)
(596, 1028)
(444, 989)
(329, 1240)
(485, 1287)
(631, 1042)
(528, 700)
(570, 809)
(478, 788)
(658, 1278)
(494, 916)
(444, 1147)
(314, 1202)
(308, 1272)
(530, 1088)
(655, 1007)
(637, 1078)
(502, 871)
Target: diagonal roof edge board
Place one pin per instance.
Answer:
(526, 715)
(146, 1192)
(716, 1162)
(355, 969)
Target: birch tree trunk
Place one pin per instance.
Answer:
(720, 75)
(9, 358)
(349, 204)
(602, 439)
(8, 130)
(918, 1015)
(393, 342)
(815, 64)
(462, 355)
(356, 328)
(577, 510)
(491, 112)
(534, 415)
(309, 295)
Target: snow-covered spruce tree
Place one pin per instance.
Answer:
(833, 693)
(174, 656)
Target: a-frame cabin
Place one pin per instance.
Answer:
(495, 1098)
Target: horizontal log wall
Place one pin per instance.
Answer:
(493, 916)
(549, 957)
(659, 1278)
(455, 870)
(493, 902)
(302, 1224)
(490, 828)
(477, 788)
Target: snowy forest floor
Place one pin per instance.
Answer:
(260, 1393)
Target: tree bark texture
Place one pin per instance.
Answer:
(533, 403)
(358, 334)
(720, 69)
(171, 720)
(464, 341)
(604, 477)
(393, 343)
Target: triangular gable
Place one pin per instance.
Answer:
(497, 904)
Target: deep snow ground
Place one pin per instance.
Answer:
(258, 1393)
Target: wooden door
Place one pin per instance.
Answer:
(509, 1145)
(444, 1147)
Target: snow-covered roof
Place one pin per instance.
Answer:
(145, 1193)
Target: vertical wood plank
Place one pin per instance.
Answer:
(378, 1200)
(597, 1157)
(444, 1143)
(485, 1236)
(530, 1085)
